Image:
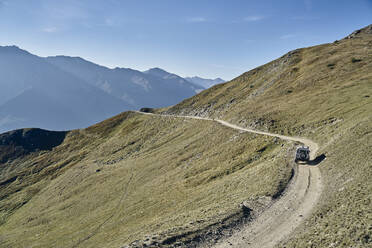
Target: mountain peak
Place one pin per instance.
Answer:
(12, 50)
(156, 71)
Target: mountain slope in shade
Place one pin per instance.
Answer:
(141, 89)
(203, 82)
(38, 94)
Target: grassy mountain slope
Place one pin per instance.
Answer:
(135, 175)
(324, 93)
(135, 178)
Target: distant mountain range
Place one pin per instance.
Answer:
(61, 92)
(154, 88)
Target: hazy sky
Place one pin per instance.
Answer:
(212, 38)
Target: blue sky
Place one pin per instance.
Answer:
(211, 39)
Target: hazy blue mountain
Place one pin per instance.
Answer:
(35, 93)
(203, 82)
(62, 92)
(153, 88)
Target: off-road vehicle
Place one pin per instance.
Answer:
(147, 110)
(302, 154)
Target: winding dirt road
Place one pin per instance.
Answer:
(296, 204)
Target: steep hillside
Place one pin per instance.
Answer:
(136, 177)
(324, 93)
(144, 180)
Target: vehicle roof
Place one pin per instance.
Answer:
(303, 148)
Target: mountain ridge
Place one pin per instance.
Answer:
(125, 83)
(58, 78)
(24, 74)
